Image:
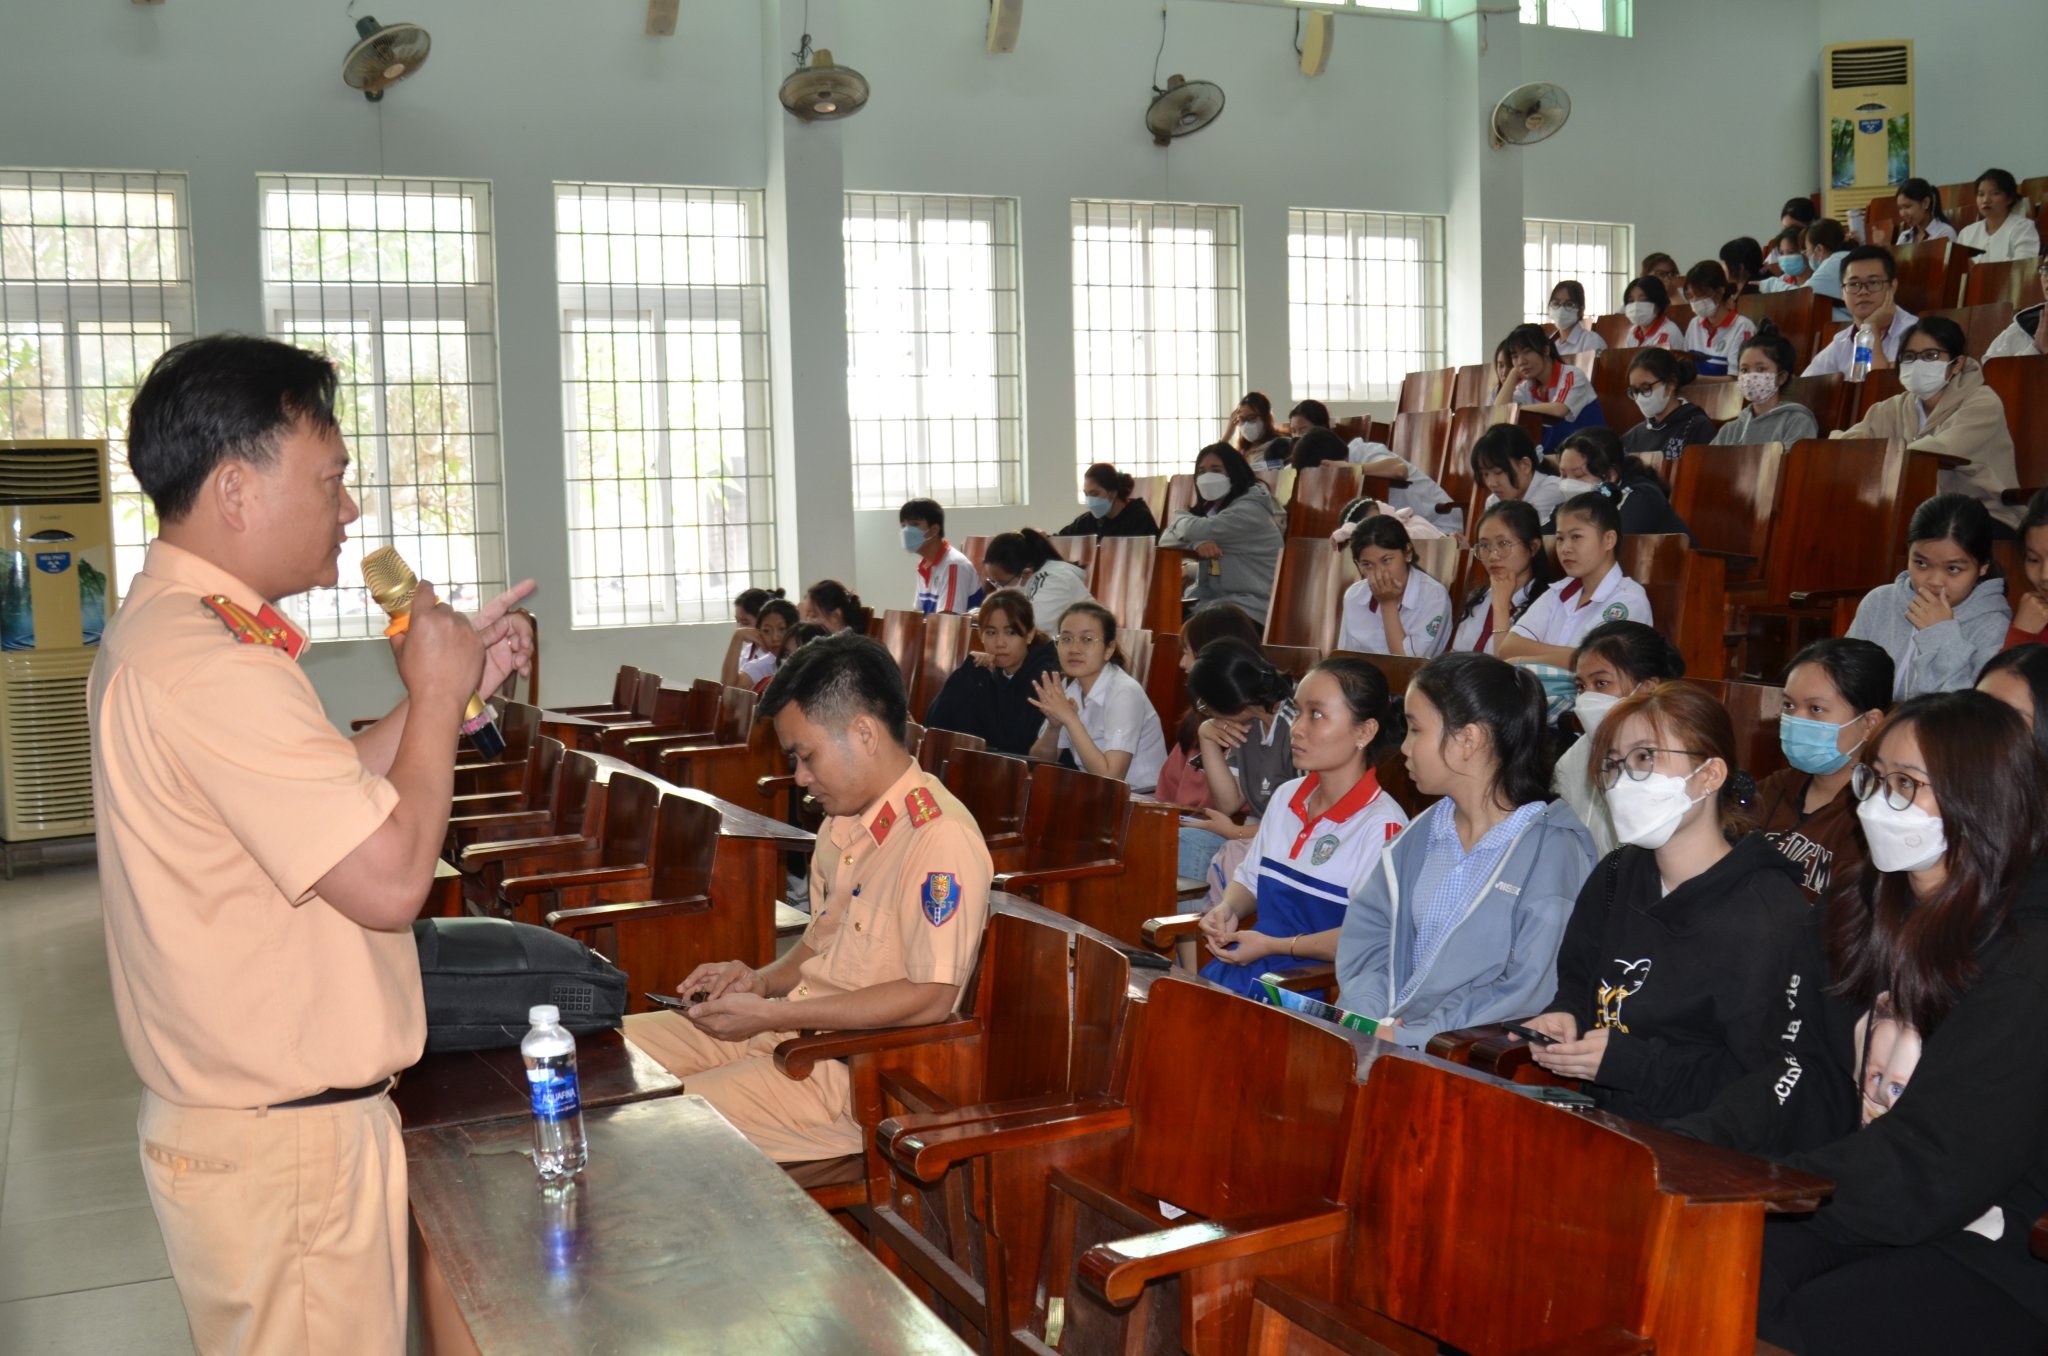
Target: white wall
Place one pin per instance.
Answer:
(1693, 130)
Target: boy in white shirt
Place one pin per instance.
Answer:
(946, 579)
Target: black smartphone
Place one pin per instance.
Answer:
(668, 1000)
(1527, 1033)
(1569, 1098)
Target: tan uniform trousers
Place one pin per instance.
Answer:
(286, 1228)
(790, 1120)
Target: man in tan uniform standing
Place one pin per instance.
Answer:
(259, 871)
(899, 897)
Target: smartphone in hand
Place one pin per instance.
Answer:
(1527, 1033)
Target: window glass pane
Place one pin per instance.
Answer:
(1365, 301)
(392, 279)
(1586, 14)
(1532, 11)
(664, 400)
(1600, 255)
(934, 387)
(1158, 359)
(95, 283)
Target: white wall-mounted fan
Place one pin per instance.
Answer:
(1184, 106)
(1529, 114)
(384, 54)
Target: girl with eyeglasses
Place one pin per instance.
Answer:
(1671, 978)
(1670, 422)
(1947, 408)
(1946, 613)
(1616, 660)
(1097, 717)
(1945, 934)
(1836, 693)
(1508, 545)
(1575, 333)
(1459, 922)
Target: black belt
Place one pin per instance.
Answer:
(333, 1095)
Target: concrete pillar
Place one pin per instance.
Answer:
(1483, 238)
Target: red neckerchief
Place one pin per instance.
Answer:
(925, 567)
(1357, 798)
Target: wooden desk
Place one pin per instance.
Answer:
(680, 1237)
(466, 1087)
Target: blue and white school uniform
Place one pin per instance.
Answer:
(1476, 633)
(1302, 868)
(1425, 618)
(1665, 333)
(1565, 612)
(1715, 347)
(1571, 387)
(1582, 338)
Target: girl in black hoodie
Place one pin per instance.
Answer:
(1672, 976)
(1923, 1245)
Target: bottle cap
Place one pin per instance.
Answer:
(543, 1014)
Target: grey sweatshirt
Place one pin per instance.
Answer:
(1943, 657)
(1250, 536)
(1787, 424)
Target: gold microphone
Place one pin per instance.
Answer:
(392, 584)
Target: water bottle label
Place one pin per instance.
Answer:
(554, 1093)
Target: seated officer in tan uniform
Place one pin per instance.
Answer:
(259, 872)
(899, 897)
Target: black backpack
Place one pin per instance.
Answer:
(480, 975)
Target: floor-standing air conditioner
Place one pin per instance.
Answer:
(1866, 121)
(56, 593)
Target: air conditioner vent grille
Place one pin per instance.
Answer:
(1864, 67)
(51, 475)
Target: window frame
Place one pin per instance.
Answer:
(1618, 275)
(1434, 309)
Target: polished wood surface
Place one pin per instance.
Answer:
(1720, 397)
(1824, 395)
(444, 896)
(903, 638)
(1139, 581)
(1427, 390)
(1321, 492)
(1729, 498)
(1688, 596)
(993, 787)
(624, 685)
(1930, 275)
(2009, 281)
(1307, 607)
(680, 1237)
(2022, 384)
(465, 1087)
(1754, 709)
(1472, 385)
(936, 749)
(943, 648)
(1980, 324)
(1610, 385)
(1798, 314)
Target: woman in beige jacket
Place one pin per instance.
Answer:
(1947, 408)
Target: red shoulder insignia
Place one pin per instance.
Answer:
(265, 628)
(922, 806)
(885, 818)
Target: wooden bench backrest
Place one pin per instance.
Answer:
(2022, 383)
(1729, 496)
(1073, 816)
(1421, 436)
(1427, 389)
(903, 637)
(2007, 280)
(1024, 1001)
(684, 845)
(1123, 579)
(1320, 494)
(1308, 593)
(1754, 708)
(1077, 551)
(1270, 1136)
(1981, 323)
(1836, 515)
(1474, 383)
(946, 635)
(1930, 276)
(630, 803)
(1722, 400)
(993, 786)
(937, 750)
(1180, 496)
(1826, 395)
(1610, 385)
(1797, 314)
(735, 715)
(518, 724)
(974, 548)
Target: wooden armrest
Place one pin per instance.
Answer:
(926, 1146)
(1017, 880)
(618, 740)
(1120, 1271)
(1709, 1173)
(502, 819)
(634, 911)
(1947, 461)
(2019, 496)
(769, 787)
(798, 1055)
(516, 888)
(467, 803)
(512, 849)
(1342, 1326)
(1162, 932)
(1825, 597)
(1309, 978)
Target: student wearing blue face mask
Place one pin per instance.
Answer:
(1110, 510)
(1836, 694)
(946, 580)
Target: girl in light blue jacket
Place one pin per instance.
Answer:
(1946, 614)
(1460, 922)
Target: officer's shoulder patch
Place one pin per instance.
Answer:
(263, 628)
(941, 897)
(923, 807)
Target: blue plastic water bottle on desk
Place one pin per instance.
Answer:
(559, 1149)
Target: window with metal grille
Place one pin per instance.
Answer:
(95, 283)
(1590, 16)
(1365, 301)
(1598, 254)
(393, 279)
(665, 400)
(1158, 353)
(934, 373)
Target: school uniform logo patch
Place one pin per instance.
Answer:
(1326, 848)
(1436, 624)
(941, 897)
(1615, 612)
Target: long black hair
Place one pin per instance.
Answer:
(1367, 696)
(1861, 670)
(1231, 677)
(1519, 517)
(1235, 466)
(1600, 446)
(2030, 663)
(1508, 702)
(1640, 652)
(1023, 552)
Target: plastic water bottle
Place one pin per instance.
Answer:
(559, 1149)
(1859, 356)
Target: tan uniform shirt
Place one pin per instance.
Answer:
(900, 892)
(223, 796)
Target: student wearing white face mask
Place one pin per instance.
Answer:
(1717, 330)
(1670, 422)
(1647, 304)
(1615, 660)
(1253, 432)
(1233, 531)
(1592, 460)
(1574, 327)
(1766, 364)
(1947, 408)
(1672, 978)
(1948, 929)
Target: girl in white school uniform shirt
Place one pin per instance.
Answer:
(1574, 327)
(1504, 461)
(1508, 544)
(1920, 216)
(1594, 589)
(1718, 331)
(1395, 607)
(1647, 304)
(1097, 715)
(2001, 229)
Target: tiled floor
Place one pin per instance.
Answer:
(82, 1267)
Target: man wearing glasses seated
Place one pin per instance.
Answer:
(1869, 289)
